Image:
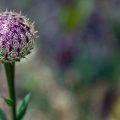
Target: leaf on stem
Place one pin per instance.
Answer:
(8, 101)
(22, 107)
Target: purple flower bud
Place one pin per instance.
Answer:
(17, 36)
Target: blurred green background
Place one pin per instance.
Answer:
(74, 71)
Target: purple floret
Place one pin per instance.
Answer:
(16, 37)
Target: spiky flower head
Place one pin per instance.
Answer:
(17, 36)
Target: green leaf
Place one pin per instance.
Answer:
(22, 107)
(8, 101)
(2, 115)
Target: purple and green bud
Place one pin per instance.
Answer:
(17, 36)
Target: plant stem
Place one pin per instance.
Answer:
(10, 72)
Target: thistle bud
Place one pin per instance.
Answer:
(17, 36)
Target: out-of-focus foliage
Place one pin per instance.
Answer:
(73, 74)
(75, 15)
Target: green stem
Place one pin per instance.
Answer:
(10, 71)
